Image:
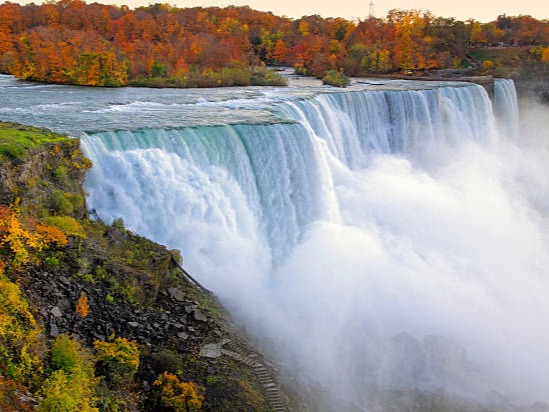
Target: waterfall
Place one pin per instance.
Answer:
(376, 239)
(506, 106)
(268, 182)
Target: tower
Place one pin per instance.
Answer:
(371, 9)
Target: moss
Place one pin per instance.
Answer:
(16, 140)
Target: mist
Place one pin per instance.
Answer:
(419, 269)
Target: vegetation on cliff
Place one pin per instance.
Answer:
(93, 317)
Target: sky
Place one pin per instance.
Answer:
(481, 10)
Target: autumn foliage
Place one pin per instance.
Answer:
(70, 41)
(179, 396)
(21, 238)
(21, 347)
(120, 356)
(82, 307)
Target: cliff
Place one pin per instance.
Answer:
(104, 286)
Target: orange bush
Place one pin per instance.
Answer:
(82, 306)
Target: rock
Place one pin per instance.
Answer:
(56, 312)
(211, 350)
(198, 315)
(190, 308)
(54, 330)
(133, 324)
(182, 335)
(177, 294)
(178, 326)
(64, 280)
(98, 336)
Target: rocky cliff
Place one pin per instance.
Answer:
(106, 283)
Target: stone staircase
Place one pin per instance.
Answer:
(256, 362)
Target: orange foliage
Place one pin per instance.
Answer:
(95, 44)
(21, 239)
(10, 396)
(82, 306)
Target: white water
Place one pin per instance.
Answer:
(376, 213)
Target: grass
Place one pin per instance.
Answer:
(16, 140)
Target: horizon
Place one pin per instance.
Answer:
(355, 9)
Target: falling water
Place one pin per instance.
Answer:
(370, 240)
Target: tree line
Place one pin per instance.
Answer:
(69, 41)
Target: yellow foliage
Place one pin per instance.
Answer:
(24, 238)
(121, 352)
(180, 396)
(68, 392)
(72, 386)
(82, 306)
(66, 224)
(20, 336)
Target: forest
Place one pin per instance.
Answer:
(72, 42)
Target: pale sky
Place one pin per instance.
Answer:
(481, 10)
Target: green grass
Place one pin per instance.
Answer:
(16, 140)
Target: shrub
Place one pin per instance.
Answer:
(336, 78)
(10, 397)
(72, 386)
(68, 354)
(82, 306)
(52, 261)
(67, 224)
(262, 76)
(21, 345)
(61, 203)
(23, 239)
(487, 65)
(120, 357)
(68, 393)
(179, 396)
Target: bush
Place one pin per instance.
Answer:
(68, 354)
(67, 224)
(68, 392)
(72, 386)
(21, 344)
(61, 203)
(119, 358)
(262, 76)
(10, 397)
(179, 396)
(336, 78)
(82, 307)
(22, 239)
